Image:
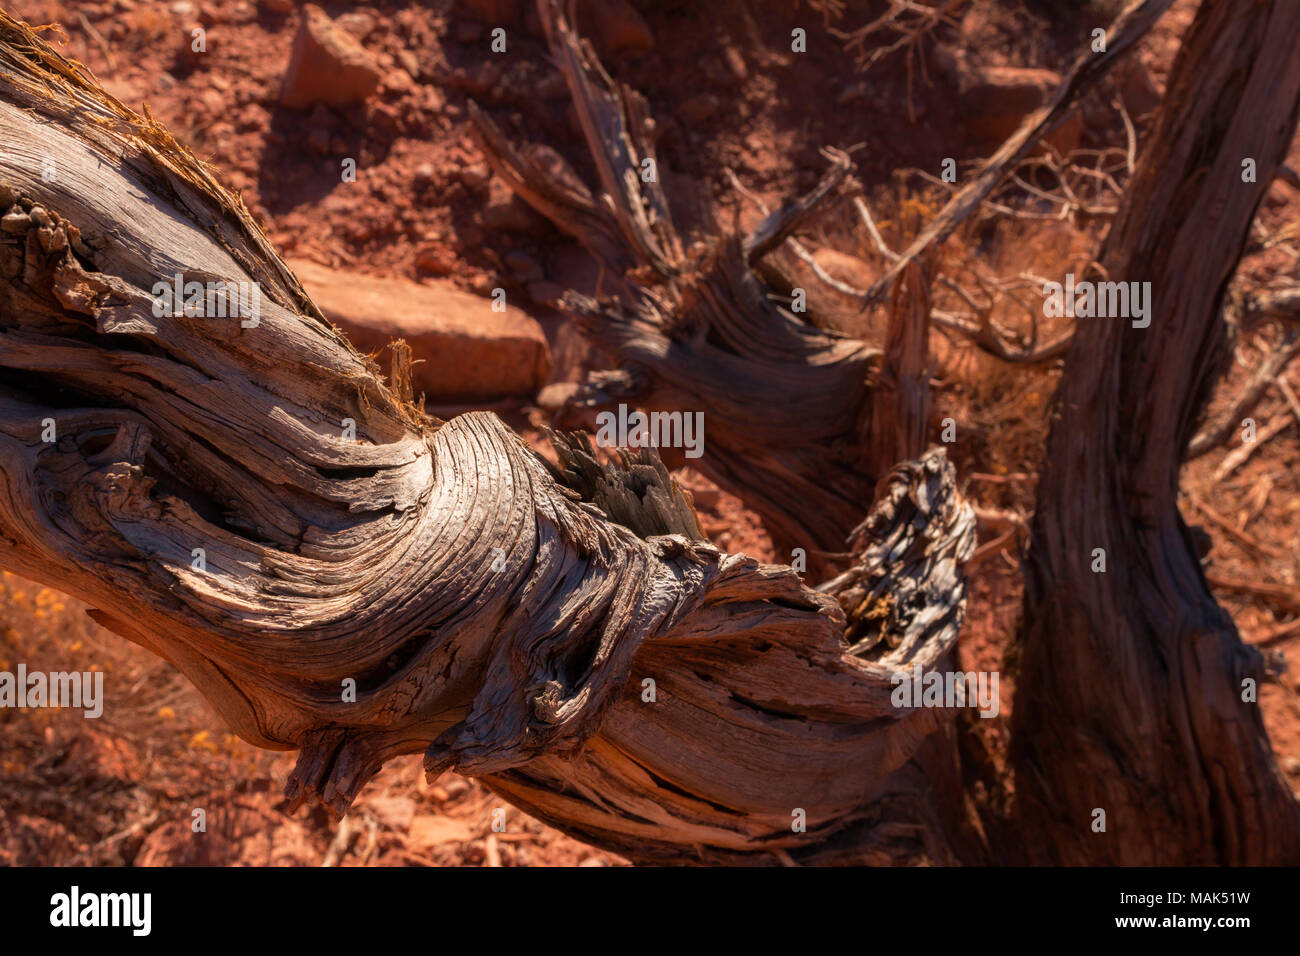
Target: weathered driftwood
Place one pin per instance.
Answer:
(422, 586)
(1131, 696)
(757, 676)
(787, 404)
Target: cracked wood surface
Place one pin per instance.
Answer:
(495, 613)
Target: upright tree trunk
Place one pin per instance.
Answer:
(1133, 692)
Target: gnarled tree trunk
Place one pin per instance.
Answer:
(339, 574)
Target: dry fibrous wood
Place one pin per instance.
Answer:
(978, 328)
(795, 245)
(901, 402)
(1129, 27)
(898, 571)
(1231, 530)
(1242, 453)
(759, 670)
(629, 225)
(1133, 688)
(1247, 309)
(1282, 305)
(909, 21)
(778, 226)
(786, 403)
(342, 575)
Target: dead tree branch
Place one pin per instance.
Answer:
(787, 401)
(340, 575)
